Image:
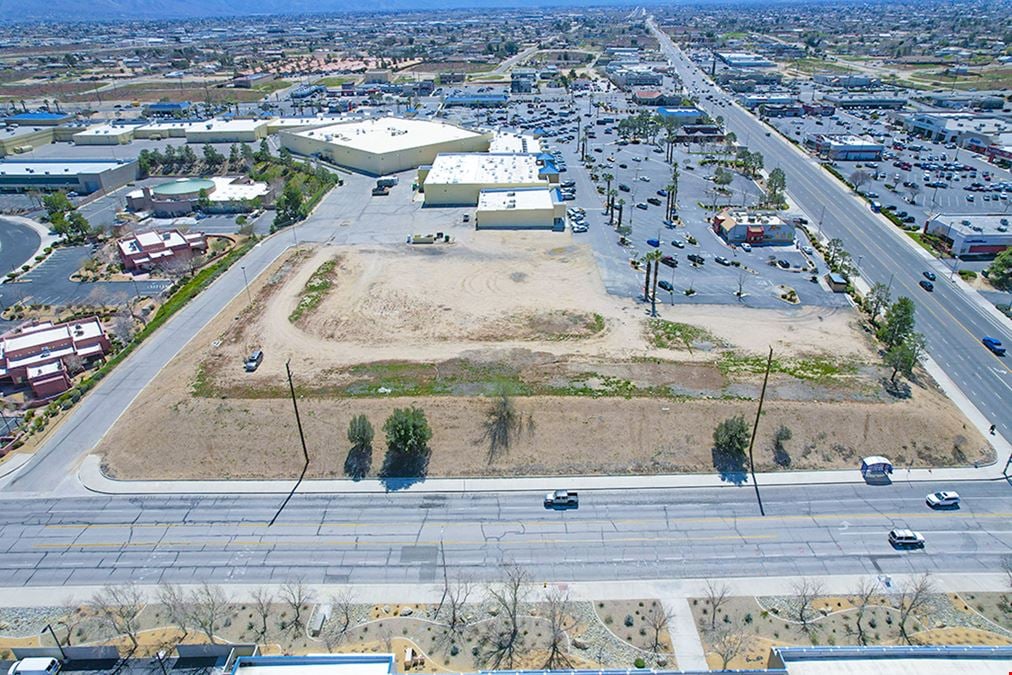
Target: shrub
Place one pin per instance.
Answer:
(731, 436)
(629, 620)
(639, 662)
(407, 431)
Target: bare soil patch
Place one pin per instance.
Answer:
(520, 312)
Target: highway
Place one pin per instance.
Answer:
(952, 322)
(403, 537)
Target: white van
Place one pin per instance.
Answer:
(35, 666)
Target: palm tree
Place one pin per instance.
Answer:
(612, 193)
(608, 178)
(621, 207)
(653, 260)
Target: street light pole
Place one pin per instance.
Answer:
(49, 627)
(249, 296)
(755, 427)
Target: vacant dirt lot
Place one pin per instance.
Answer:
(443, 327)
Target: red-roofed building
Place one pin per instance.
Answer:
(37, 354)
(148, 250)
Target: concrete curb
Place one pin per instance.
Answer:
(93, 479)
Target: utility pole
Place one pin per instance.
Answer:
(302, 437)
(755, 427)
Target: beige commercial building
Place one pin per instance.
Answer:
(227, 131)
(457, 179)
(537, 208)
(105, 134)
(385, 145)
(17, 140)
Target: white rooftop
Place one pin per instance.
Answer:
(388, 134)
(515, 200)
(226, 190)
(479, 168)
(42, 167)
(977, 223)
(105, 130)
(508, 142)
(18, 132)
(228, 125)
(963, 666)
(351, 668)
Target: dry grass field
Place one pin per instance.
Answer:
(599, 387)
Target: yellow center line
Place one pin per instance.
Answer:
(406, 542)
(536, 523)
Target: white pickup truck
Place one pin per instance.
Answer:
(562, 499)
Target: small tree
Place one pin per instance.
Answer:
(898, 324)
(502, 425)
(716, 596)
(504, 640)
(913, 597)
(177, 606)
(903, 357)
(780, 454)
(407, 431)
(657, 619)
(210, 607)
(999, 272)
(342, 608)
(878, 299)
(859, 178)
(729, 643)
(298, 598)
(731, 436)
(263, 601)
(360, 432)
(776, 185)
(119, 607)
(557, 615)
(861, 600)
(805, 591)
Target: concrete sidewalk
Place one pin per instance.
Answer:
(91, 477)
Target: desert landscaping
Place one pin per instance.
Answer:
(448, 328)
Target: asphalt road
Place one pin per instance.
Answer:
(402, 537)
(951, 322)
(18, 244)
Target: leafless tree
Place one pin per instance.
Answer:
(123, 326)
(504, 639)
(210, 607)
(177, 606)
(557, 615)
(342, 613)
(263, 601)
(1007, 566)
(119, 607)
(914, 595)
(716, 596)
(657, 619)
(298, 597)
(451, 611)
(73, 363)
(862, 597)
(859, 178)
(805, 591)
(73, 617)
(728, 643)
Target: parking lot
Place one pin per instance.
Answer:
(50, 284)
(915, 177)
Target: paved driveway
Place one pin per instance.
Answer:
(50, 284)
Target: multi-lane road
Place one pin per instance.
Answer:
(952, 322)
(405, 537)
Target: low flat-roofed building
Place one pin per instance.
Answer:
(845, 147)
(39, 118)
(37, 353)
(250, 80)
(869, 101)
(161, 130)
(330, 664)
(78, 175)
(890, 660)
(683, 114)
(104, 134)
(477, 100)
(537, 208)
(457, 179)
(155, 250)
(963, 128)
(227, 131)
(17, 140)
(747, 227)
(972, 235)
(167, 108)
(743, 60)
(755, 100)
(385, 145)
(225, 194)
(505, 141)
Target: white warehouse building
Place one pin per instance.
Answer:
(536, 208)
(382, 146)
(457, 179)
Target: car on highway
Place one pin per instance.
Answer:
(994, 344)
(926, 285)
(562, 499)
(906, 539)
(930, 276)
(666, 285)
(942, 499)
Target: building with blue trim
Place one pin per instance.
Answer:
(167, 108)
(477, 100)
(39, 118)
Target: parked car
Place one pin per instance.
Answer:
(253, 361)
(783, 264)
(642, 205)
(945, 498)
(906, 538)
(654, 200)
(666, 285)
(994, 344)
(669, 261)
(623, 187)
(678, 243)
(698, 259)
(722, 260)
